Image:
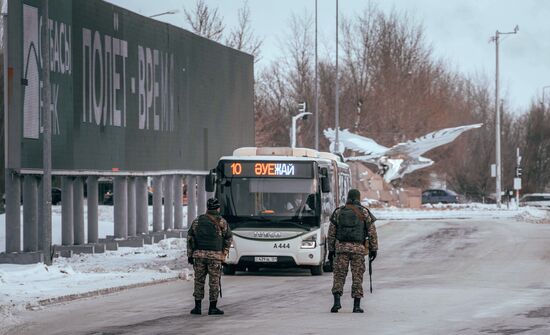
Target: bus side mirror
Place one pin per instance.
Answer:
(325, 180)
(210, 182)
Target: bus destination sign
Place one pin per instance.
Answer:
(268, 169)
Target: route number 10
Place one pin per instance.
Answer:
(236, 169)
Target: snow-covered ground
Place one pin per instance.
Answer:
(24, 286)
(452, 276)
(463, 211)
(28, 284)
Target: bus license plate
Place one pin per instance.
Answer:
(265, 259)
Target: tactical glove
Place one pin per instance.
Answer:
(372, 255)
(190, 260)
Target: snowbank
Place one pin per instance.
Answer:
(463, 211)
(25, 286)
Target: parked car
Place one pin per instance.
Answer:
(535, 199)
(439, 196)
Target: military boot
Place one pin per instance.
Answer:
(357, 306)
(336, 305)
(213, 310)
(197, 309)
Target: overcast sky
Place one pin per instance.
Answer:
(458, 31)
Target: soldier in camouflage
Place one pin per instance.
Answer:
(208, 242)
(351, 236)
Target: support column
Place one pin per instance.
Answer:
(30, 213)
(120, 194)
(67, 217)
(93, 200)
(178, 208)
(142, 205)
(40, 219)
(157, 203)
(131, 206)
(168, 202)
(201, 195)
(13, 212)
(78, 211)
(191, 199)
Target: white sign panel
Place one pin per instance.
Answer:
(517, 183)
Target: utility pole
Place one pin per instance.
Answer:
(498, 190)
(316, 87)
(302, 114)
(46, 138)
(336, 108)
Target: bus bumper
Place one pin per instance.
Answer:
(247, 253)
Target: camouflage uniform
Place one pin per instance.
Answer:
(350, 253)
(208, 262)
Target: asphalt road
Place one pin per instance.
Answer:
(436, 277)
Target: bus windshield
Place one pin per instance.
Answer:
(264, 200)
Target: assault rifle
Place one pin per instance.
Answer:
(372, 220)
(370, 274)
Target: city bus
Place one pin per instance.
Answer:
(278, 202)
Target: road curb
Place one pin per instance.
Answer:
(96, 293)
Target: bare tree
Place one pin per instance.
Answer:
(242, 37)
(468, 169)
(392, 89)
(299, 64)
(359, 45)
(272, 107)
(205, 21)
(534, 128)
(284, 84)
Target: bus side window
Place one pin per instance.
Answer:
(335, 188)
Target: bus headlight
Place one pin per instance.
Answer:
(232, 244)
(309, 243)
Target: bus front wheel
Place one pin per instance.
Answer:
(229, 269)
(317, 270)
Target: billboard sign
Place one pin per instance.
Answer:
(128, 93)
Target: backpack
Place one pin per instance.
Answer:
(351, 225)
(207, 234)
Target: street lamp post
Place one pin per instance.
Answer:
(293, 130)
(173, 11)
(337, 93)
(496, 39)
(316, 86)
(46, 139)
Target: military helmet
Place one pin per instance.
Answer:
(212, 203)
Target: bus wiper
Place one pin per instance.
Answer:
(295, 224)
(261, 218)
